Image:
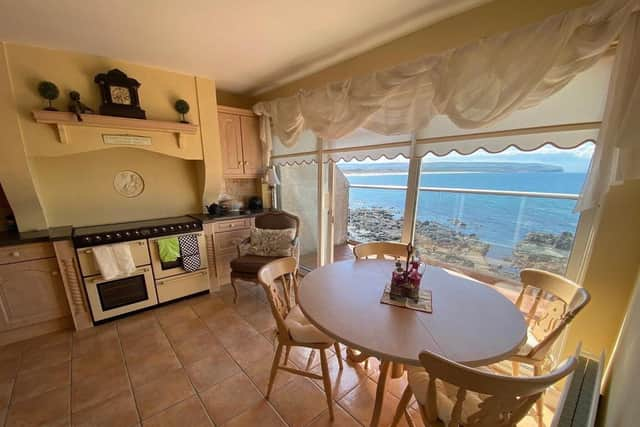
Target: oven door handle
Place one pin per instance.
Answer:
(186, 276)
(100, 279)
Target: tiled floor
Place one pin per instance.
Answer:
(199, 362)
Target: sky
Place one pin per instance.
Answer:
(573, 160)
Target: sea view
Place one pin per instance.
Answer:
(493, 233)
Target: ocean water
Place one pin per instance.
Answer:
(501, 221)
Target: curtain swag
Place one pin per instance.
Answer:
(475, 85)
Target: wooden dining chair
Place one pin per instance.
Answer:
(453, 395)
(375, 250)
(293, 328)
(555, 302)
(380, 250)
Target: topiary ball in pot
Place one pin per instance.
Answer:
(182, 107)
(49, 91)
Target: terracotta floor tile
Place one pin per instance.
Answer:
(261, 415)
(262, 320)
(360, 401)
(342, 381)
(300, 357)
(250, 350)
(231, 329)
(136, 324)
(198, 347)
(299, 402)
(230, 398)
(9, 367)
(92, 345)
(187, 329)
(153, 341)
(37, 381)
(209, 306)
(173, 314)
(260, 371)
(207, 372)
(341, 418)
(90, 391)
(50, 409)
(247, 306)
(188, 413)
(145, 369)
(96, 330)
(118, 411)
(87, 366)
(48, 340)
(35, 358)
(158, 395)
(3, 415)
(6, 388)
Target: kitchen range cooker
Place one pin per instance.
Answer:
(153, 281)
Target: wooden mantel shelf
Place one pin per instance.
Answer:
(63, 119)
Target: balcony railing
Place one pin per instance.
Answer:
(496, 232)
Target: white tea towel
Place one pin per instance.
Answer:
(114, 260)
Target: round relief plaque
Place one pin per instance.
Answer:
(128, 183)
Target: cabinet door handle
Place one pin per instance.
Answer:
(246, 163)
(15, 254)
(54, 273)
(239, 163)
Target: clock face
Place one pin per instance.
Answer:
(120, 95)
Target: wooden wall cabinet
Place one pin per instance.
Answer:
(240, 143)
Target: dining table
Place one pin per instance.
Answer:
(470, 323)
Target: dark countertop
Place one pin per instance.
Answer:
(9, 238)
(232, 215)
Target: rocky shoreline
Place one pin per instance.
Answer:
(446, 243)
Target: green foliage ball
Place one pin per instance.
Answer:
(48, 90)
(182, 106)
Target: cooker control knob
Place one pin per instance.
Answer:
(137, 233)
(87, 239)
(172, 228)
(154, 230)
(179, 227)
(164, 228)
(118, 235)
(127, 233)
(98, 238)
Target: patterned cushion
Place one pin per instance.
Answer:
(267, 242)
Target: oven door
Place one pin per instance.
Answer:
(110, 298)
(162, 270)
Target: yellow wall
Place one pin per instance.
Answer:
(85, 196)
(492, 18)
(231, 99)
(611, 273)
(52, 184)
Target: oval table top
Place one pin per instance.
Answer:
(471, 323)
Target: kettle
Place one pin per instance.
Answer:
(255, 204)
(214, 209)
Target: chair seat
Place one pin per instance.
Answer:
(532, 341)
(302, 330)
(250, 264)
(446, 394)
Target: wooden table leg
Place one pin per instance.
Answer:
(380, 390)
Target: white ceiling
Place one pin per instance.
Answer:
(247, 46)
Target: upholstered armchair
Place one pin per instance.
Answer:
(246, 266)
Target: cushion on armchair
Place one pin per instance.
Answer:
(271, 243)
(250, 264)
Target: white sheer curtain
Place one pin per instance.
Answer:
(617, 154)
(473, 86)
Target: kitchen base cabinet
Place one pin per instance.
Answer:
(32, 297)
(222, 242)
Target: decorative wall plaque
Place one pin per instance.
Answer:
(128, 183)
(126, 139)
